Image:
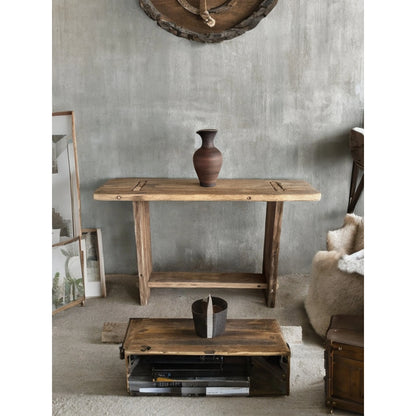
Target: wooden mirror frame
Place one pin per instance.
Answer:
(244, 15)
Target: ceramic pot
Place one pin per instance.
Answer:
(207, 159)
(218, 316)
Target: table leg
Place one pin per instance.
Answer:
(272, 232)
(143, 247)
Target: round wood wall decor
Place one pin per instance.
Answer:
(207, 21)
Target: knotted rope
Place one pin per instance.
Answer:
(208, 20)
(203, 11)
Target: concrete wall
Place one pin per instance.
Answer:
(283, 97)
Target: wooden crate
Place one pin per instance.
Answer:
(344, 363)
(257, 343)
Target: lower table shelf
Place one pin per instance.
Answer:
(207, 280)
(166, 357)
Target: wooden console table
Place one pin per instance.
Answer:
(273, 192)
(253, 346)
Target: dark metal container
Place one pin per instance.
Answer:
(219, 316)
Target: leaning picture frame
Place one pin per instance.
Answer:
(68, 286)
(93, 263)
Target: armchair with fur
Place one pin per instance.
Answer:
(337, 277)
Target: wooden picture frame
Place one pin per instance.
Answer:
(221, 19)
(67, 273)
(93, 263)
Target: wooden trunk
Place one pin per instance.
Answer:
(344, 363)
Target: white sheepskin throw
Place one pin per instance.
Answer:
(353, 263)
(337, 277)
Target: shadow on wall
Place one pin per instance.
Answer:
(332, 150)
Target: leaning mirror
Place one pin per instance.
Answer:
(67, 273)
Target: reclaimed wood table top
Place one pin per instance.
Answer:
(169, 189)
(172, 336)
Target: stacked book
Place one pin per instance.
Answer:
(187, 375)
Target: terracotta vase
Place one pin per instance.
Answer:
(207, 159)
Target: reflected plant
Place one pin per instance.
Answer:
(56, 300)
(72, 284)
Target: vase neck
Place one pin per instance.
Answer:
(208, 142)
(207, 137)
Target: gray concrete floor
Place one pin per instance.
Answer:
(89, 377)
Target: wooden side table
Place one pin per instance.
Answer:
(142, 191)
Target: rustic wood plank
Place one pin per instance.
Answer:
(113, 332)
(163, 189)
(148, 336)
(144, 248)
(208, 280)
(272, 233)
